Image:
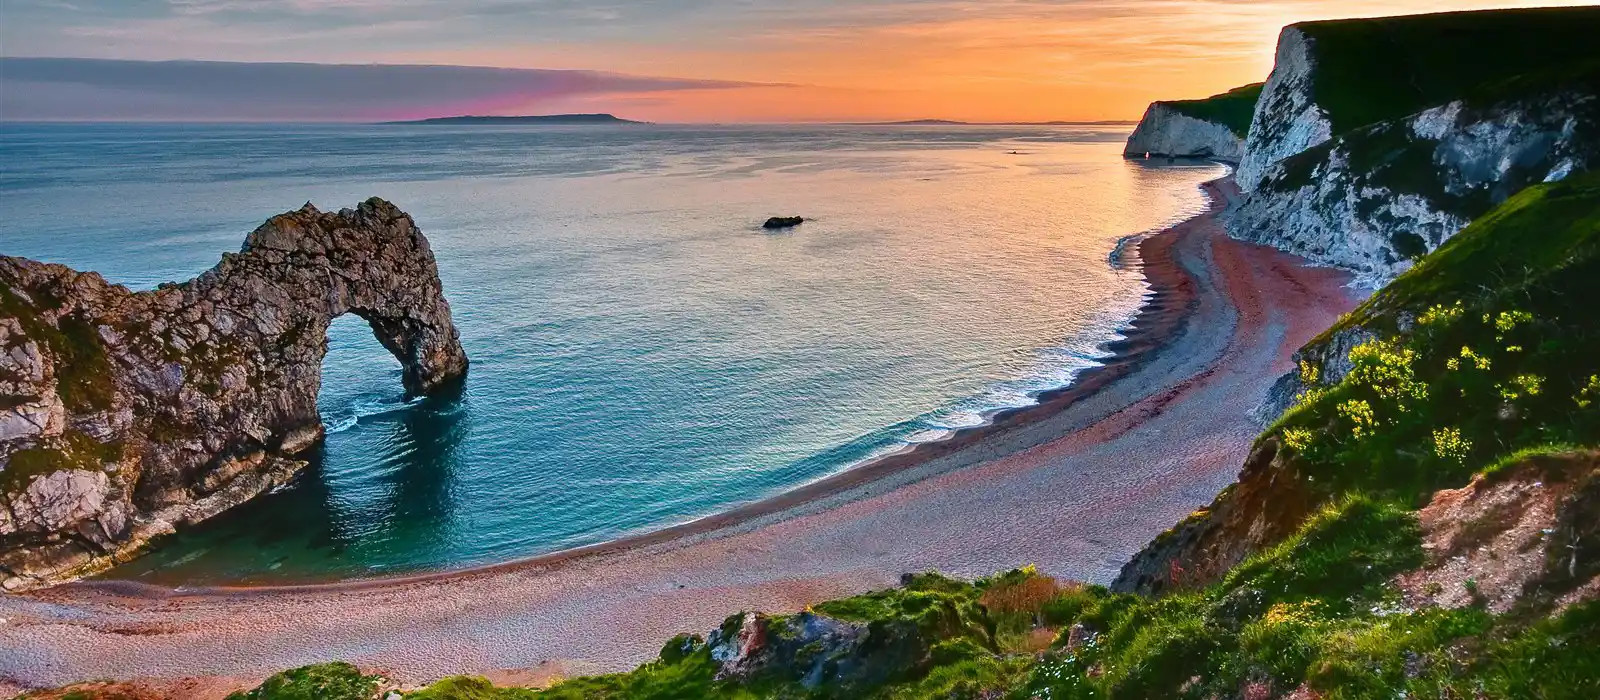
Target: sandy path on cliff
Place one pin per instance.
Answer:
(1075, 491)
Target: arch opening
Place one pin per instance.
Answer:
(360, 375)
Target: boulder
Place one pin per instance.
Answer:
(783, 222)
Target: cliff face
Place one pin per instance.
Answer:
(1209, 128)
(1332, 78)
(1165, 132)
(1375, 199)
(1376, 146)
(1287, 119)
(124, 415)
(1376, 140)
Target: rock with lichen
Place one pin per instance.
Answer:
(125, 415)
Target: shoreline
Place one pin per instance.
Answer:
(1074, 484)
(1151, 328)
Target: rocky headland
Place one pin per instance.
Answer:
(1214, 127)
(1375, 141)
(124, 415)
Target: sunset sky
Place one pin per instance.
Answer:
(730, 60)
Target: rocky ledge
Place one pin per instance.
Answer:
(125, 415)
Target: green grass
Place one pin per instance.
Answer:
(1554, 659)
(1372, 70)
(1499, 357)
(1339, 556)
(330, 681)
(1538, 233)
(940, 608)
(1402, 653)
(1232, 109)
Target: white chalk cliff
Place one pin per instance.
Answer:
(1374, 196)
(1164, 131)
(1375, 199)
(1287, 120)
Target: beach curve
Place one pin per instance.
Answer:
(1074, 484)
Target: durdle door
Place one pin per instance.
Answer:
(125, 415)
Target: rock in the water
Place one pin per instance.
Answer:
(783, 222)
(124, 415)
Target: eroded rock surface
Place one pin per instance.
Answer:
(1376, 199)
(1376, 140)
(124, 415)
(1165, 131)
(1287, 120)
(1523, 535)
(1266, 505)
(814, 650)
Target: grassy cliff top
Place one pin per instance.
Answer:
(1232, 109)
(1370, 70)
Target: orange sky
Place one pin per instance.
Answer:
(845, 60)
(999, 61)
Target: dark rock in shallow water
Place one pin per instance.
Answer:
(124, 415)
(783, 222)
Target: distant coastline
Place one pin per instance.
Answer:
(603, 118)
(951, 122)
(550, 119)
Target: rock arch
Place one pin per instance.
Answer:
(124, 415)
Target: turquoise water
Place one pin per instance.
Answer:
(643, 353)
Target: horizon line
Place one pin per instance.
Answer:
(623, 124)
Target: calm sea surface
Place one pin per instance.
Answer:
(643, 354)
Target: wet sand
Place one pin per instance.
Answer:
(1074, 485)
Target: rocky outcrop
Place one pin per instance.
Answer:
(1211, 128)
(849, 658)
(1376, 199)
(1266, 505)
(1334, 77)
(124, 415)
(1527, 534)
(778, 222)
(1375, 140)
(1166, 132)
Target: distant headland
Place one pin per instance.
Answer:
(554, 119)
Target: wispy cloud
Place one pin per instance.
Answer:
(76, 88)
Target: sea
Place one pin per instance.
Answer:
(643, 352)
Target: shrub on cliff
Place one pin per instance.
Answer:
(329, 681)
(1485, 348)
